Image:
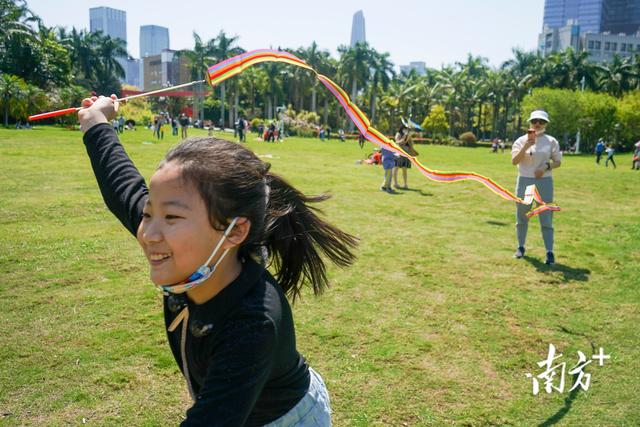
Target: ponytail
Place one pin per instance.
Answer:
(234, 182)
(296, 237)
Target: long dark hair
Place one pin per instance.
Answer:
(233, 181)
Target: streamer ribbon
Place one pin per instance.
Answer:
(228, 68)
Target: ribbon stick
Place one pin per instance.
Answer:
(235, 65)
(122, 100)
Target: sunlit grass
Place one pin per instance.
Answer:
(435, 324)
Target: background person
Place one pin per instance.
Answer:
(610, 152)
(405, 141)
(536, 155)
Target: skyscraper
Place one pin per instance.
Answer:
(153, 40)
(603, 28)
(594, 16)
(357, 29)
(621, 16)
(112, 22)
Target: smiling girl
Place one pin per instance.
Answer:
(211, 218)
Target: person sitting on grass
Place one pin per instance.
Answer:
(211, 218)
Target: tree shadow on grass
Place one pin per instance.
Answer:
(569, 274)
(501, 224)
(568, 401)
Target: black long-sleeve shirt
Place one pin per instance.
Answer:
(240, 345)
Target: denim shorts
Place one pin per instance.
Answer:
(313, 410)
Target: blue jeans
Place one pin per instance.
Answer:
(313, 410)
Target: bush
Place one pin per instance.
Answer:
(468, 139)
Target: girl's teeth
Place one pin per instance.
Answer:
(158, 257)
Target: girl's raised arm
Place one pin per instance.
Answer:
(121, 184)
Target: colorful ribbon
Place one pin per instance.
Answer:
(230, 67)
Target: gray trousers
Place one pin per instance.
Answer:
(545, 188)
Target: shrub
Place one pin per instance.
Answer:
(468, 139)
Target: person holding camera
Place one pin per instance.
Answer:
(536, 154)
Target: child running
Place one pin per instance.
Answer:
(211, 218)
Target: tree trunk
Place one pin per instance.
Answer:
(223, 97)
(6, 114)
(326, 111)
(354, 92)
(269, 108)
(313, 98)
(373, 105)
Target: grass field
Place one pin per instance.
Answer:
(436, 324)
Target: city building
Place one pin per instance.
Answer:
(357, 29)
(594, 16)
(111, 22)
(603, 28)
(134, 66)
(153, 40)
(166, 69)
(419, 66)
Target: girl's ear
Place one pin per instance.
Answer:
(238, 233)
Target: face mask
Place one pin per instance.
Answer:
(204, 272)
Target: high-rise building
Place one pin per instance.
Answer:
(603, 28)
(112, 22)
(419, 66)
(153, 40)
(165, 69)
(357, 29)
(621, 16)
(594, 16)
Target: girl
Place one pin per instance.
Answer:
(210, 218)
(404, 140)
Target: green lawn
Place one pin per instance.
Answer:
(436, 323)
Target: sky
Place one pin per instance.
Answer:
(438, 32)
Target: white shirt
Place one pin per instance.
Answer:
(546, 148)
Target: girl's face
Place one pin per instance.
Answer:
(175, 233)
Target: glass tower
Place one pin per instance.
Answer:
(153, 40)
(112, 22)
(594, 16)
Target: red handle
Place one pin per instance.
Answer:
(53, 114)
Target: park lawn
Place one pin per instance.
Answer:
(435, 324)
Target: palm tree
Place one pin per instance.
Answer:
(223, 48)
(382, 69)
(199, 60)
(354, 66)
(11, 94)
(16, 18)
(617, 76)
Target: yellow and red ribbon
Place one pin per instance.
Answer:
(230, 67)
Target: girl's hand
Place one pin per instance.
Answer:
(97, 110)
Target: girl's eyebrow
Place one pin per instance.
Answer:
(175, 203)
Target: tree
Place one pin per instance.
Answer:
(436, 121)
(11, 95)
(617, 76)
(563, 108)
(200, 58)
(223, 48)
(354, 68)
(382, 69)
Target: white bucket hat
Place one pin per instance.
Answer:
(539, 114)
